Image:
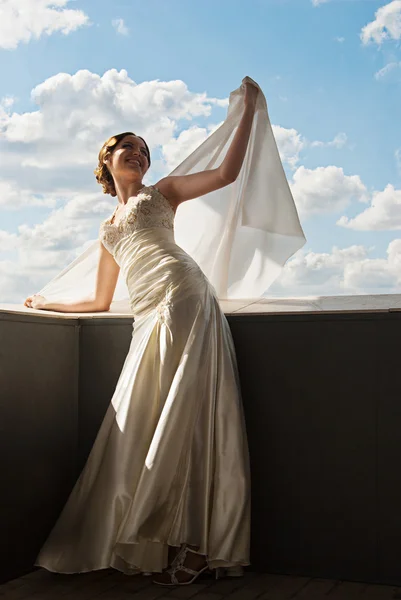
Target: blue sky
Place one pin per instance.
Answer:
(320, 78)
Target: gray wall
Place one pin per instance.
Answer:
(38, 431)
(322, 403)
(322, 397)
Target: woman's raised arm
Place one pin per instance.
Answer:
(179, 188)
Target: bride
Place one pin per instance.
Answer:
(166, 487)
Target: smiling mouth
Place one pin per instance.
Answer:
(133, 161)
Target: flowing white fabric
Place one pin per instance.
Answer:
(240, 236)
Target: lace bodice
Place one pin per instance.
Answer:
(148, 209)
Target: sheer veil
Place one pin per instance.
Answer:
(241, 236)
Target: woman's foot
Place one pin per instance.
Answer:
(172, 553)
(184, 569)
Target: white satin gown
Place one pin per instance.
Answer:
(170, 462)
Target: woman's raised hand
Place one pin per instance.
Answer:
(35, 301)
(251, 93)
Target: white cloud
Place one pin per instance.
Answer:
(340, 40)
(120, 26)
(15, 284)
(8, 241)
(314, 271)
(27, 127)
(7, 102)
(397, 155)
(65, 228)
(380, 275)
(341, 271)
(44, 249)
(319, 2)
(325, 190)
(338, 142)
(178, 148)
(14, 197)
(77, 113)
(387, 70)
(22, 20)
(289, 144)
(84, 107)
(386, 25)
(384, 213)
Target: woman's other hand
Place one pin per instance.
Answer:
(35, 301)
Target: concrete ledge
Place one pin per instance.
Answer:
(268, 305)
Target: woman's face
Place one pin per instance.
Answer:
(129, 159)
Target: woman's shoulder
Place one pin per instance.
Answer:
(161, 189)
(163, 186)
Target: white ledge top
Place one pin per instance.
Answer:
(307, 304)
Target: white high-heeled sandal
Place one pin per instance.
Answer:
(178, 565)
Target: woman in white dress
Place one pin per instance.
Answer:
(169, 470)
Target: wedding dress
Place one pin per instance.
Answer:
(170, 463)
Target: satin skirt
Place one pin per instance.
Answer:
(170, 463)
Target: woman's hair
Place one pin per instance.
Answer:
(103, 175)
